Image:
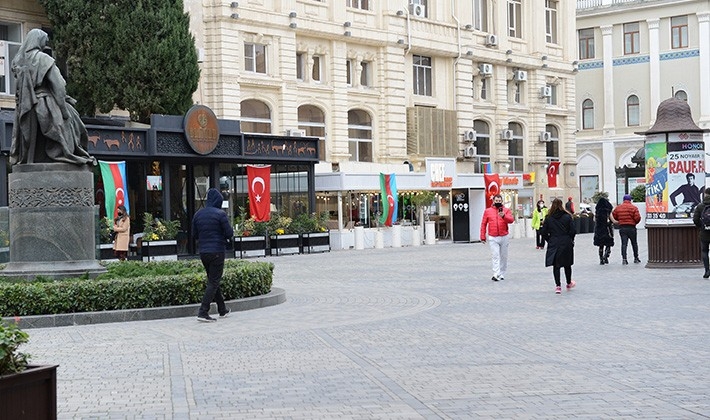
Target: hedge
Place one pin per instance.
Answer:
(131, 285)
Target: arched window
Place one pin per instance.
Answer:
(552, 147)
(256, 117)
(515, 148)
(483, 143)
(587, 114)
(360, 135)
(682, 95)
(632, 110)
(312, 121)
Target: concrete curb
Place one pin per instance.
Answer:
(274, 297)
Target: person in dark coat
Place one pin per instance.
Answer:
(703, 235)
(558, 231)
(603, 229)
(212, 230)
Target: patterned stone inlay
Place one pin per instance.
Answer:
(631, 60)
(680, 54)
(51, 197)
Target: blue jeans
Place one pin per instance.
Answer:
(214, 266)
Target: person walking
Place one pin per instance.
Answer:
(122, 228)
(627, 216)
(559, 232)
(212, 230)
(703, 231)
(569, 205)
(495, 221)
(603, 229)
(538, 216)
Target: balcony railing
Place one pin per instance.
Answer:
(591, 4)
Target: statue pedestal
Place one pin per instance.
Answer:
(52, 225)
(673, 247)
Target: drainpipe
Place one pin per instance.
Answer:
(409, 30)
(458, 56)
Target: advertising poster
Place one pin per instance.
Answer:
(686, 174)
(656, 182)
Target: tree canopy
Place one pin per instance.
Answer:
(136, 55)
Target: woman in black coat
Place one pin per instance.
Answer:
(603, 229)
(558, 231)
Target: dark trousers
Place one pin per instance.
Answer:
(214, 266)
(556, 274)
(628, 232)
(538, 239)
(704, 247)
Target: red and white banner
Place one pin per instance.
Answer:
(552, 170)
(259, 179)
(492, 187)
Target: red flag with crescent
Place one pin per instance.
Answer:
(492, 187)
(259, 179)
(552, 170)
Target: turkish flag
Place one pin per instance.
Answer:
(552, 170)
(492, 187)
(259, 179)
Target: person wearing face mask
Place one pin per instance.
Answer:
(538, 216)
(122, 227)
(495, 222)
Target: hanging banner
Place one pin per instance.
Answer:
(388, 189)
(259, 180)
(115, 182)
(492, 182)
(552, 170)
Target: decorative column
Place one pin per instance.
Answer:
(654, 70)
(608, 49)
(704, 63)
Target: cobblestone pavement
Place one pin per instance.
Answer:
(409, 333)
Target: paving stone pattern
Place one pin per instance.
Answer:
(409, 333)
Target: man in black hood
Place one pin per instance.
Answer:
(212, 230)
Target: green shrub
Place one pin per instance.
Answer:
(638, 194)
(131, 285)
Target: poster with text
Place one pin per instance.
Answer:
(686, 174)
(656, 181)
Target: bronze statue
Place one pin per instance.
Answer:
(47, 127)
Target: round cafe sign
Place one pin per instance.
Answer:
(201, 129)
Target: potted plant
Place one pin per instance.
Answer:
(105, 239)
(26, 392)
(159, 238)
(315, 236)
(249, 236)
(284, 239)
(4, 246)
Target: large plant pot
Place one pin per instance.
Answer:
(316, 242)
(159, 250)
(4, 254)
(285, 244)
(30, 395)
(106, 252)
(249, 246)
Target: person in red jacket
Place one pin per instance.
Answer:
(495, 221)
(628, 216)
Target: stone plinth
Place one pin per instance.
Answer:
(51, 211)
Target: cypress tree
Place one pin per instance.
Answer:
(136, 55)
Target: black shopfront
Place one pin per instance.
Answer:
(169, 179)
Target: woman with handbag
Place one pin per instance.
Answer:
(122, 228)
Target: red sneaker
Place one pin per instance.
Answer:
(571, 285)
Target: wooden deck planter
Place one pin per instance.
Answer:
(159, 250)
(249, 246)
(285, 244)
(315, 242)
(29, 395)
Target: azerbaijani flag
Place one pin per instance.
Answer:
(487, 167)
(115, 185)
(388, 187)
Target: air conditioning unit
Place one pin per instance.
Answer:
(520, 75)
(506, 135)
(485, 69)
(469, 136)
(545, 91)
(491, 40)
(469, 151)
(292, 132)
(418, 10)
(545, 136)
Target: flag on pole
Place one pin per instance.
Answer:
(113, 175)
(552, 170)
(388, 187)
(492, 182)
(259, 179)
(487, 167)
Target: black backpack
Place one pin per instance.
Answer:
(705, 217)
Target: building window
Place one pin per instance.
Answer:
(515, 18)
(485, 88)
(349, 71)
(587, 114)
(255, 118)
(365, 74)
(300, 65)
(631, 38)
(552, 99)
(515, 148)
(551, 21)
(360, 135)
(515, 92)
(312, 121)
(358, 4)
(632, 110)
(480, 15)
(682, 95)
(422, 75)
(11, 39)
(317, 71)
(483, 143)
(679, 32)
(586, 43)
(255, 58)
(552, 147)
